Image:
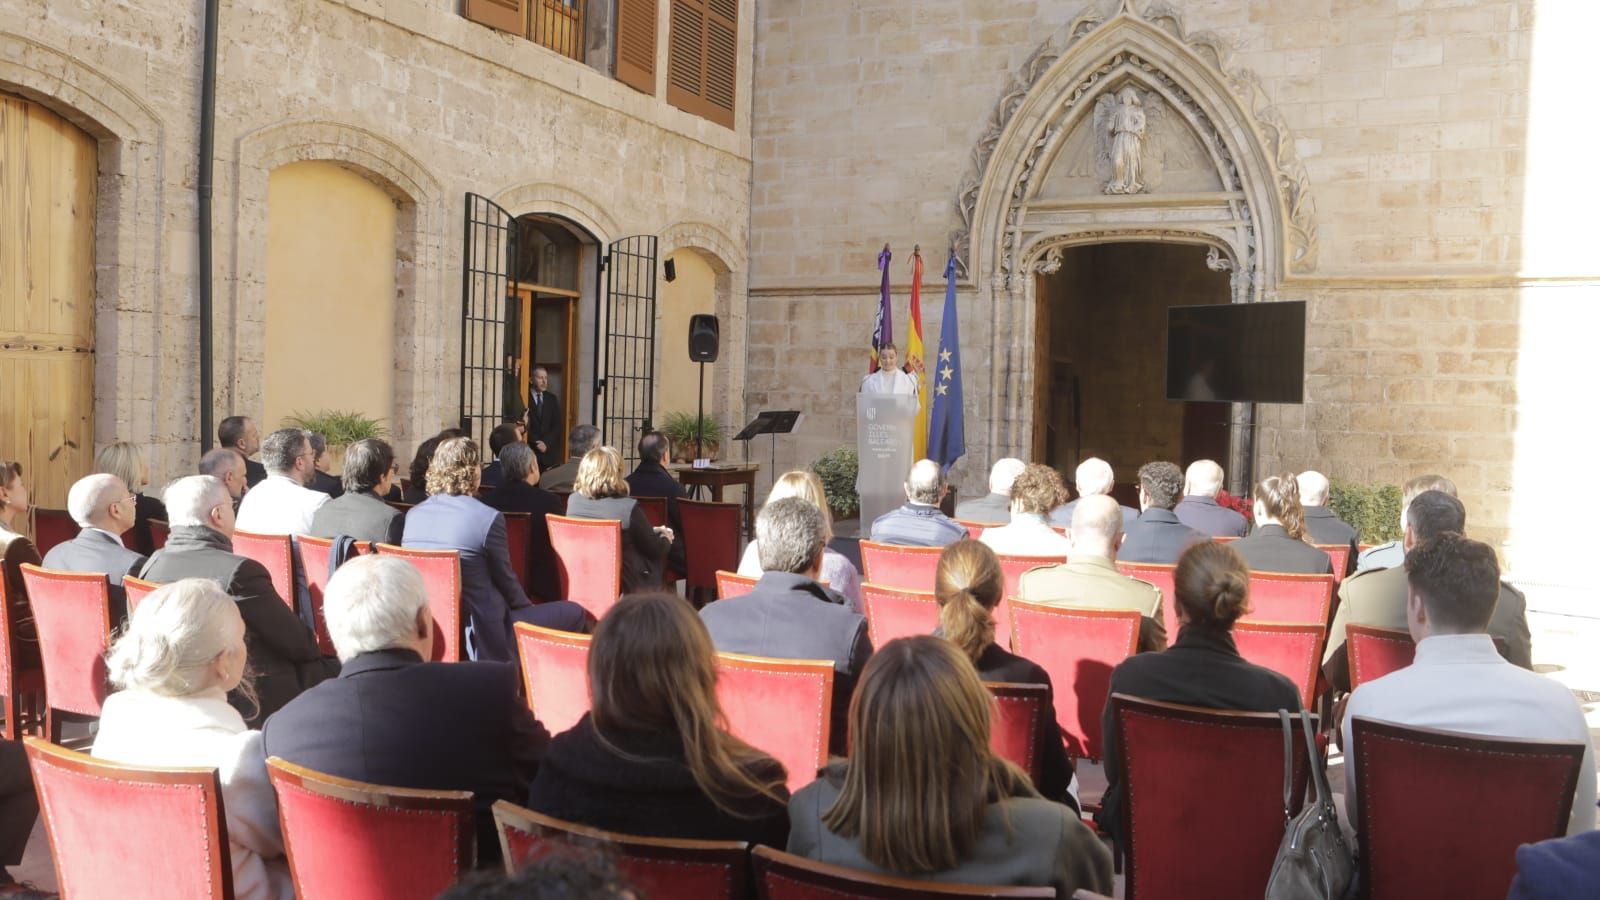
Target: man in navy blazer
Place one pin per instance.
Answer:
(1158, 536)
(104, 508)
(391, 718)
(1199, 508)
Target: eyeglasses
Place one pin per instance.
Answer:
(131, 498)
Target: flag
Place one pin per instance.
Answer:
(883, 333)
(947, 432)
(919, 430)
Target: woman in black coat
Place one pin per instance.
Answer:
(600, 492)
(1279, 542)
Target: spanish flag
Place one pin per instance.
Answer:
(919, 432)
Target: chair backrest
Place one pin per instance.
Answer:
(441, 575)
(1421, 822)
(72, 612)
(1012, 567)
(561, 500)
(655, 510)
(13, 681)
(784, 876)
(137, 589)
(710, 539)
(1286, 597)
(1078, 648)
(1160, 575)
(1225, 538)
(163, 827)
(1293, 651)
(1022, 723)
(588, 560)
(657, 867)
(159, 532)
(353, 841)
(315, 554)
(276, 552)
(1375, 652)
(519, 543)
(897, 612)
(974, 529)
(1339, 555)
(892, 565)
(780, 706)
(732, 584)
(555, 673)
(1203, 797)
(52, 527)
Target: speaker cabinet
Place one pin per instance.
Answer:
(703, 338)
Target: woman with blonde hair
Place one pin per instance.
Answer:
(1280, 542)
(126, 461)
(837, 570)
(968, 586)
(181, 654)
(923, 796)
(653, 755)
(600, 492)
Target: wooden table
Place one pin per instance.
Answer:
(718, 477)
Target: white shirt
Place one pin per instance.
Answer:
(279, 505)
(889, 381)
(1026, 535)
(837, 572)
(1459, 682)
(144, 729)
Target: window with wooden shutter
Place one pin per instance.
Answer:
(506, 15)
(636, 44)
(703, 57)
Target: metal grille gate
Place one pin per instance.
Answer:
(488, 341)
(625, 345)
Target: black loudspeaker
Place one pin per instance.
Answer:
(703, 338)
(670, 270)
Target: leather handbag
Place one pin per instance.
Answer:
(1314, 862)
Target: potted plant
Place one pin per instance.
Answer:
(837, 471)
(340, 428)
(1373, 510)
(682, 429)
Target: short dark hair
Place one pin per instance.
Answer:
(1162, 482)
(581, 440)
(279, 450)
(365, 463)
(503, 434)
(1458, 580)
(652, 446)
(319, 444)
(1432, 513)
(516, 461)
(230, 431)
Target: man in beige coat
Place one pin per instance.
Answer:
(1090, 577)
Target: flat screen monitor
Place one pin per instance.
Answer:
(1237, 353)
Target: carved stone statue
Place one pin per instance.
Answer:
(1124, 121)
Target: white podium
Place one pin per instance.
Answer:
(883, 447)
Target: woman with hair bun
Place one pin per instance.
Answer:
(1280, 542)
(1202, 667)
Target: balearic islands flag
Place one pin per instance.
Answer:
(919, 429)
(883, 332)
(947, 432)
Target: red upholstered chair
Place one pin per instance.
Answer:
(315, 553)
(129, 832)
(72, 613)
(1204, 797)
(1160, 575)
(519, 543)
(1079, 648)
(137, 589)
(891, 565)
(1410, 782)
(561, 500)
(654, 508)
(159, 532)
(710, 540)
(21, 689)
(657, 867)
(1339, 555)
(732, 584)
(974, 529)
(1225, 538)
(276, 552)
(1022, 721)
(555, 672)
(1285, 597)
(1012, 567)
(1293, 651)
(589, 560)
(780, 706)
(52, 527)
(348, 840)
(441, 575)
(896, 613)
(1375, 652)
(784, 876)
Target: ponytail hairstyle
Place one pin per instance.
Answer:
(1212, 585)
(173, 638)
(968, 586)
(1280, 496)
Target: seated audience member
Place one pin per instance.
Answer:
(1558, 869)
(565, 871)
(1199, 508)
(19, 810)
(1093, 478)
(601, 492)
(1090, 577)
(995, 507)
(393, 718)
(580, 441)
(1035, 492)
(1393, 554)
(838, 573)
(126, 461)
(968, 587)
(228, 467)
(453, 518)
(1279, 542)
(16, 549)
(283, 651)
(788, 615)
(1458, 681)
(417, 491)
(1322, 523)
(651, 479)
(181, 656)
(1377, 597)
(282, 504)
(923, 796)
(359, 511)
(650, 757)
(1202, 667)
(239, 434)
(502, 436)
(920, 523)
(103, 508)
(321, 479)
(1157, 536)
(521, 493)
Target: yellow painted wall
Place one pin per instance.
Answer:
(330, 293)
(678, 379)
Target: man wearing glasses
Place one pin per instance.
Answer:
(103, 507)
(370, 470)
(283, 503)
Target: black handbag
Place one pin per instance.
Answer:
(1314, 862)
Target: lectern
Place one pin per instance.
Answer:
(884, 450)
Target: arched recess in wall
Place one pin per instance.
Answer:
(711, 278)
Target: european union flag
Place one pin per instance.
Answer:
(947, 429)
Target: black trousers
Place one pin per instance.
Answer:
(19, 807)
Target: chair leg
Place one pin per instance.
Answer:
(52, 725)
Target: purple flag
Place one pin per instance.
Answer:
(883, 333)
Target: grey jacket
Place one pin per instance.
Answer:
(94, 550)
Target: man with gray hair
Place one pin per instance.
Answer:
(1093, 478)
(580, 440)
(283, 504)
(360, 512)
(103, 507)
(392, 717)
(920, 523)
(995, 508)
(1199, 508)
(1090, 578)
(1322, 523)
(788, 615)
(227, 466)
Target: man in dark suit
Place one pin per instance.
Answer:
(283, 651)
(1199, 508)
(391, 718)
(321, 479)
(651, 479)
(103, 507)
(359, 511)
(544, 420)
(1093, 478)
(995, 507)
(521, 493)
(1322, 523)
(502, 436)
(789, 615)
(1157, 536)
(227, 466)
(19, 810)
(239, 434)
(559, 479)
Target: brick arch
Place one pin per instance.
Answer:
(546, 198)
